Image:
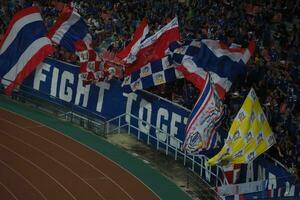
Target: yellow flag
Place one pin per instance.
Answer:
(249, 136)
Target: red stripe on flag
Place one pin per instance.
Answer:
(29, 67)
(137, 35)
(197, 80)
(16, 17)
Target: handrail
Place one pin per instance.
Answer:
(149, 124)
(178, 151)
(84, 118)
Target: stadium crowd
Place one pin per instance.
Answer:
(273, 71)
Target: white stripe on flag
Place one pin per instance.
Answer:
(17, 27)
(24, 58)
(150, 40)
(214, 46)
(88, 40)
(60, 32)
(191, 67)
(246, 56)
(225, 83)
(136, 47)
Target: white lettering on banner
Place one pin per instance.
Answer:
(249, 173)
(82, 91)
(272, 181)
(174, 130)
(261, 173)
(65, 93)
(185, 120)
(162, 113)
(145, 128)
(130, 98)
(40, 76)
(289, 190)
(54, 82)
(102, 87)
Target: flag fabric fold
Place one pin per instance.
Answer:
(249, 136)
(69, 28)
(132, 48)
(23, 47)
(223, 63)
(204, 119)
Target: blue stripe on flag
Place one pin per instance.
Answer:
(31, 32)
(223, 66)
(200, 101)
(76, 32)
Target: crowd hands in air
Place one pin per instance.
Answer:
(273, 71)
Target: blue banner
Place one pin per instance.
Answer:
(60, 80)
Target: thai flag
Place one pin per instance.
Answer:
(154, 47)
(223, 63)
(23, 48)
(133, 47)
(204, 119)
(69, 28)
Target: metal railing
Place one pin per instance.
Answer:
(115, 125)
(97, 127)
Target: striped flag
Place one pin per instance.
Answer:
(23, 48)
(204, 119)
(132, 48)
(69, 28)
(223, 63)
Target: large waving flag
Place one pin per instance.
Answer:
(133, 47)
(223, 63)
(204, 119)
(24, 47)
(154, 47)
(249, 136)
(69, 28)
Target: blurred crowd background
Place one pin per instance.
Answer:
(273, 71)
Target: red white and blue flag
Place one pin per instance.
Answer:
(154, 47)
(69, 28)
(223, 63)
(23, 47)
(204, 119)
(133, 47)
